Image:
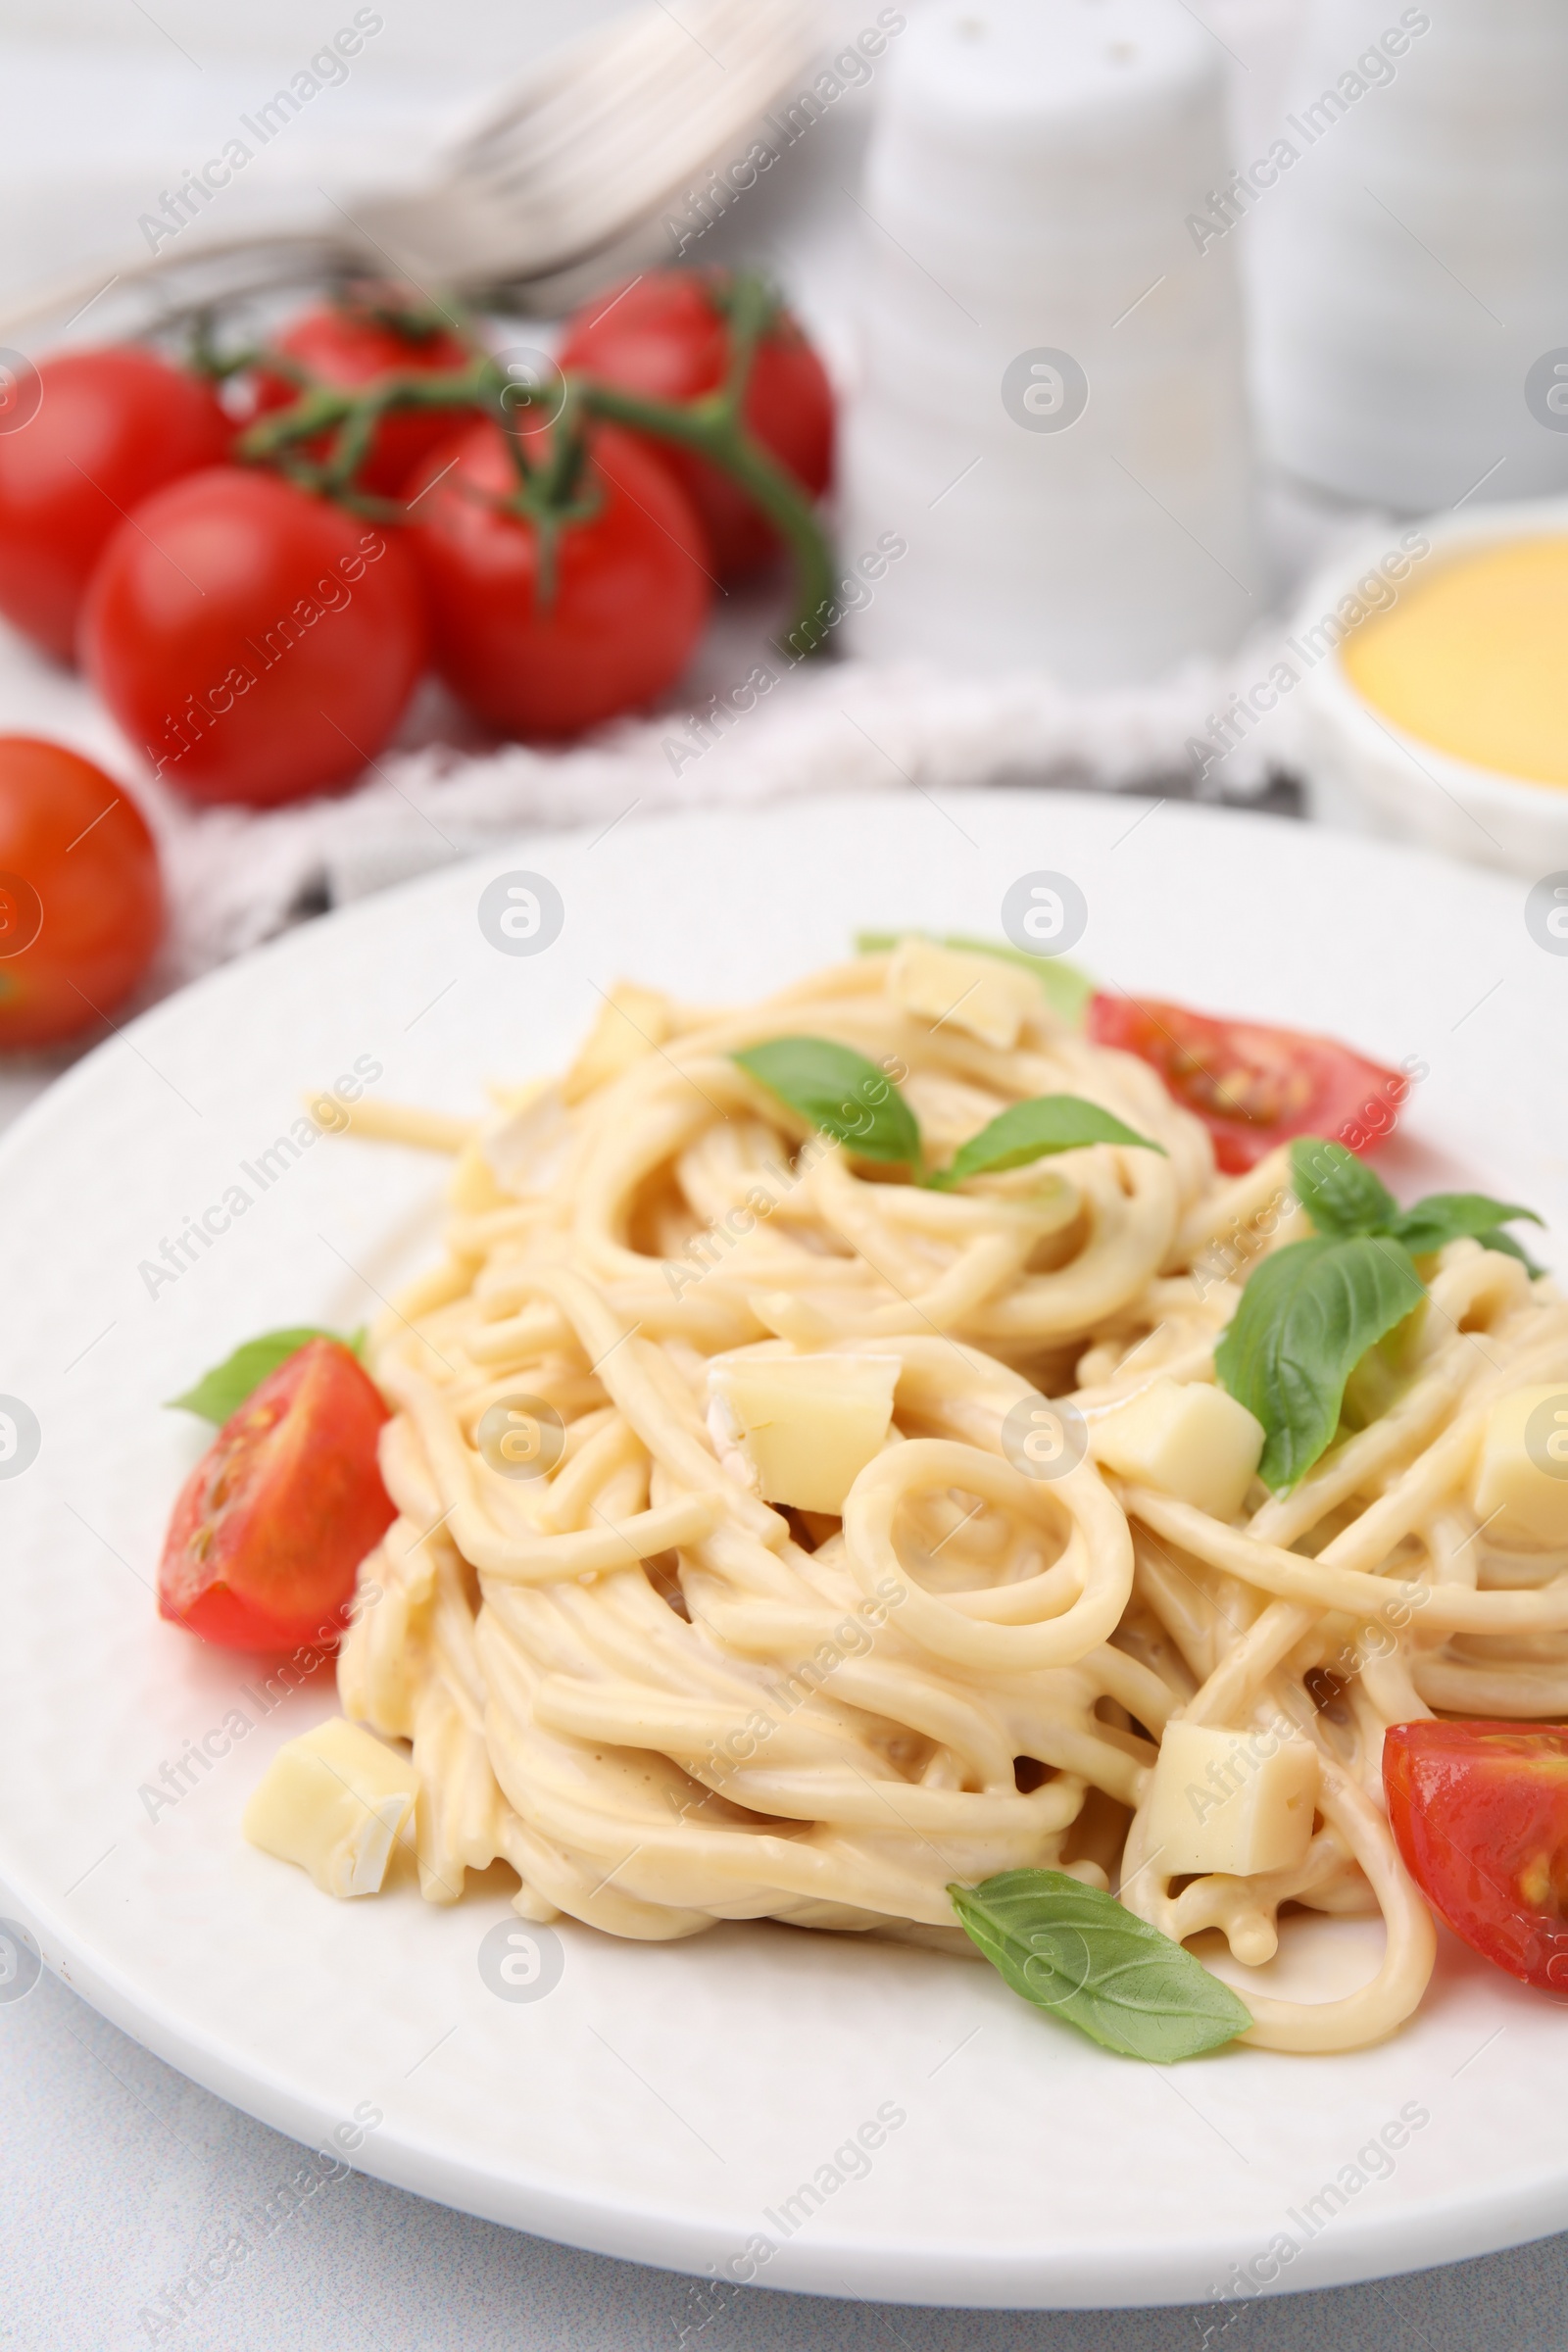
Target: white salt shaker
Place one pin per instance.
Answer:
(1052, 414)
(1411, 264)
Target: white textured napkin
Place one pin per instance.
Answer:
(237, 877)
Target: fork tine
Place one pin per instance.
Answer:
(583, 124)
(608, 55)
(577, 134)
(624, 81)
(546, 186)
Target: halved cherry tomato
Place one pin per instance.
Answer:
(81, 905)
(1253, 1086)
(615, 626)
(665, 334)
(256, 643)
(350, 343)
(272, 1523)
(110, 428)
(1480, 1812)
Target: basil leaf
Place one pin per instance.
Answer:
(1066, 989)
(1307, 1317)
(1088, 1959)
(225, 1389)
(1452, 1216)
(1498, 1240)
(840, 1091)
(1340, 1195)
(1032, 1130)
(1383, 1374)
(1343, 1198)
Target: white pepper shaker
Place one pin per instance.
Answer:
(1051, 410)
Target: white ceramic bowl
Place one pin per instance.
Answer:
(1368, 776)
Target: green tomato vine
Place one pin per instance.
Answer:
(556, 489)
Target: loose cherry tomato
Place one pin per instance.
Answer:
(1253, 1086)
(272, 1523)
(615, 626)
(110, 428)
(1480, 1812)
(81, 907)
(665, 334)
(349, 344)
(256, 643)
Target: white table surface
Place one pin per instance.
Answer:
(117, 2175)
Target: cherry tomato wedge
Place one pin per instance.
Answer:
(665, 334)
(110, 428)
(81, 905)
(614, 625)
(272, 1523)
(254, 642)
(1253, 1086)
(350, 344)
(1480, 1813)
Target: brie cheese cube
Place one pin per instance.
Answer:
(807, 1424)
(1521, 1472)
(1189, 1439)
(335, 1802)
(978, 993)
(631, 1022)
(1235, 1801)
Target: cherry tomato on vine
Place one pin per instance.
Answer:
(81, 905)
(1253, 1086)
(665, 334)
(108, 429)
(350, 344)
(271, 1527)
(615, 626)
(256, 643)
(1480, 1813)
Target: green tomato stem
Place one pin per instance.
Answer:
(550, 493)
(706, 428)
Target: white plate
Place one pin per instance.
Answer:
(664, 2101)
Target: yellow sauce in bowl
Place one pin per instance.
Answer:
(1474, 660)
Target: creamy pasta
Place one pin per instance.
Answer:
(667, 1703)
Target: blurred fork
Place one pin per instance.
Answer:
(566, 165)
